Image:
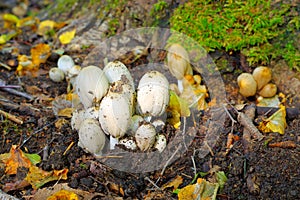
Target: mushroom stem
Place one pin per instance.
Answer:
(112, 142)
(180, 85)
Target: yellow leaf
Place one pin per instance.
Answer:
(66, 112)
(38, 177)
(11, 18)
(40, 53)
(66, 37)
(173, 183)
(178, 108)
(63, 195)
(275, 123)
(6, 37)
(194, 93)
(25, 64)
(201, 190)
(45, 26)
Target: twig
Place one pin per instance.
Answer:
(35, 132)
(5, 66)
(194, 164)
(150, 181)
(244, 120)
(11, 117)
(18, 93)
(169, 160)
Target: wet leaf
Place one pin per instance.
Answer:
(40, 53)
(38, 177)
(201, 190)
(66, 37)
(6, 37)
(25, 64)
(268, 102)
(14, 159)
(275, 123)
(178, 180)
(63, 195)
(10, 19)
(194, 93)
(221, 178)
(34, 158)
(178, 108)
(45, 27)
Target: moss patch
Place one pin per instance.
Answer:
(262, 30)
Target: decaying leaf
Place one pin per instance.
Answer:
(275, 123)
(268, 102)
(178, 108)
(193, 92)
(40, 53)
(15, 159)
(47, 192)
(178, 180)
(38, 177)
(201, 190)
(63, 194)
(66, 37)
(45, 26)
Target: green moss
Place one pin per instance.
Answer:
(261, 29)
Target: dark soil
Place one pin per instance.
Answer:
(261, 173)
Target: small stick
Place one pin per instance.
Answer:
(194, 164)
(68, 148)
(169, 160)
(150, 181)
(18, 93)
(244, 120)
(5, 66)
(11, 117)
(35, 132)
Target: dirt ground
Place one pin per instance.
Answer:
(257, 171)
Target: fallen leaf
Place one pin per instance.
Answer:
(66, 112)
(66, 37)
(275, 123)
(201, 190)
(268, 102)
(194, 93)
(44, 193)
(38, 177)
(14, 159)
(178, 107)
(6, 37)
(10, 20)
(60, 122)
(45, 27)
(39, 54)
(178, 180)
(63, 195)
(25, 65)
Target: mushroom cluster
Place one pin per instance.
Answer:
(113, 107)
(257, 82)
(66, 69)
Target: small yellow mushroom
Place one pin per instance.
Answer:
(247, 84)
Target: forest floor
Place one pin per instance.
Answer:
(254, 171)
